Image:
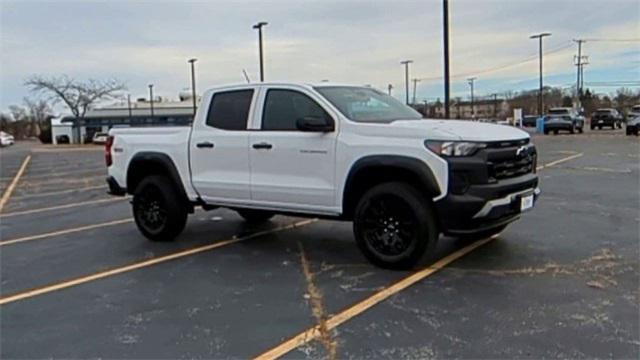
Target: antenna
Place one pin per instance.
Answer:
(246, 77)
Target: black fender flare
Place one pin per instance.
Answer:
(413, 165)
(155, 160)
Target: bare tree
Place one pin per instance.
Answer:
(77, 96)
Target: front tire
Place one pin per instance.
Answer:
(158, 209)
(395, 225)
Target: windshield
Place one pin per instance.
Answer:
(367, 105)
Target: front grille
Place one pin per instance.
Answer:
(511, 168)
(511, 162)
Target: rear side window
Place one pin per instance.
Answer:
(230, 110)
(283, 108)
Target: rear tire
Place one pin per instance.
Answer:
(255, 216)
(158, 209)
(395, 225)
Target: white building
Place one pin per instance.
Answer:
(99, 120)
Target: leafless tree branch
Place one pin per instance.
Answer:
(77, 96)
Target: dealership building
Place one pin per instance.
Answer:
(142, 112)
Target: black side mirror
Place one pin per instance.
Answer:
(315, 124)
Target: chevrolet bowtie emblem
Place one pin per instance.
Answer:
(522, 150)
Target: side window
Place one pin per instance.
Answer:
(283, 108)
(230, 110)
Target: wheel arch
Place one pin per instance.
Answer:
(376, 169)
(148, 163)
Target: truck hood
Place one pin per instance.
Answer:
(451, 130)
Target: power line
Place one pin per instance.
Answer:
(614, 40)
(564, 46)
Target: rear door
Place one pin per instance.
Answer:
(292, 169)
(219, 147)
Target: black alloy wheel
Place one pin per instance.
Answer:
(394, 225)
(151, 209)
(389, 226)
(158, 209)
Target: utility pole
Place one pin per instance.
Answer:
(540, 95)
(579, 68)
(473, 112)
(445, 24)
(129, 106)
(259, 26)
(389, 88)
(193, 84)
(151, 98)
(585, 62)
(415, 82)
(406, 78)
(495, 105)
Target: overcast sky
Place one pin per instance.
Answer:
(348, 41)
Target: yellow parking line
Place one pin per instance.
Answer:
(59, 207)
(7, 193)
(142, 264)
(60, 192)
(554, 163)
(63, 232)
(362, 306)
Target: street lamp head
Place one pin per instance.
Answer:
(260, 24)
(150, 86)
(541, 35)
(405, 62)
(192, 60)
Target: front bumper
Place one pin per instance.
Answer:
(485, 206)
(483, 195)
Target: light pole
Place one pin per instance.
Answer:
(415, 82)
(259, 26)
(129, 106)
(540, 100)
(473, 112)
(151, 98)
(445, 24)
(193, 83)
(389, 88)
(406, 78)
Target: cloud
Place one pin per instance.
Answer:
(353, 41)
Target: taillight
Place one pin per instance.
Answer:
(107, 151)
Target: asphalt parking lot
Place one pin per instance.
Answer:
(79, 281)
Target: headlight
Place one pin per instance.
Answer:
(454, 148)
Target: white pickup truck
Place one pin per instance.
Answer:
(331, 151)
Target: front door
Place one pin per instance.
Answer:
(290, 168)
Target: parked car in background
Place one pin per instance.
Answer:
(633, 125)
(563, 119)
(6, 139)
(100, 138)
(606, 117)
(529, 120)
(62, 139)
(635, 111)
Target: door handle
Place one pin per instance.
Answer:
(205, 144)
(262, 145)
